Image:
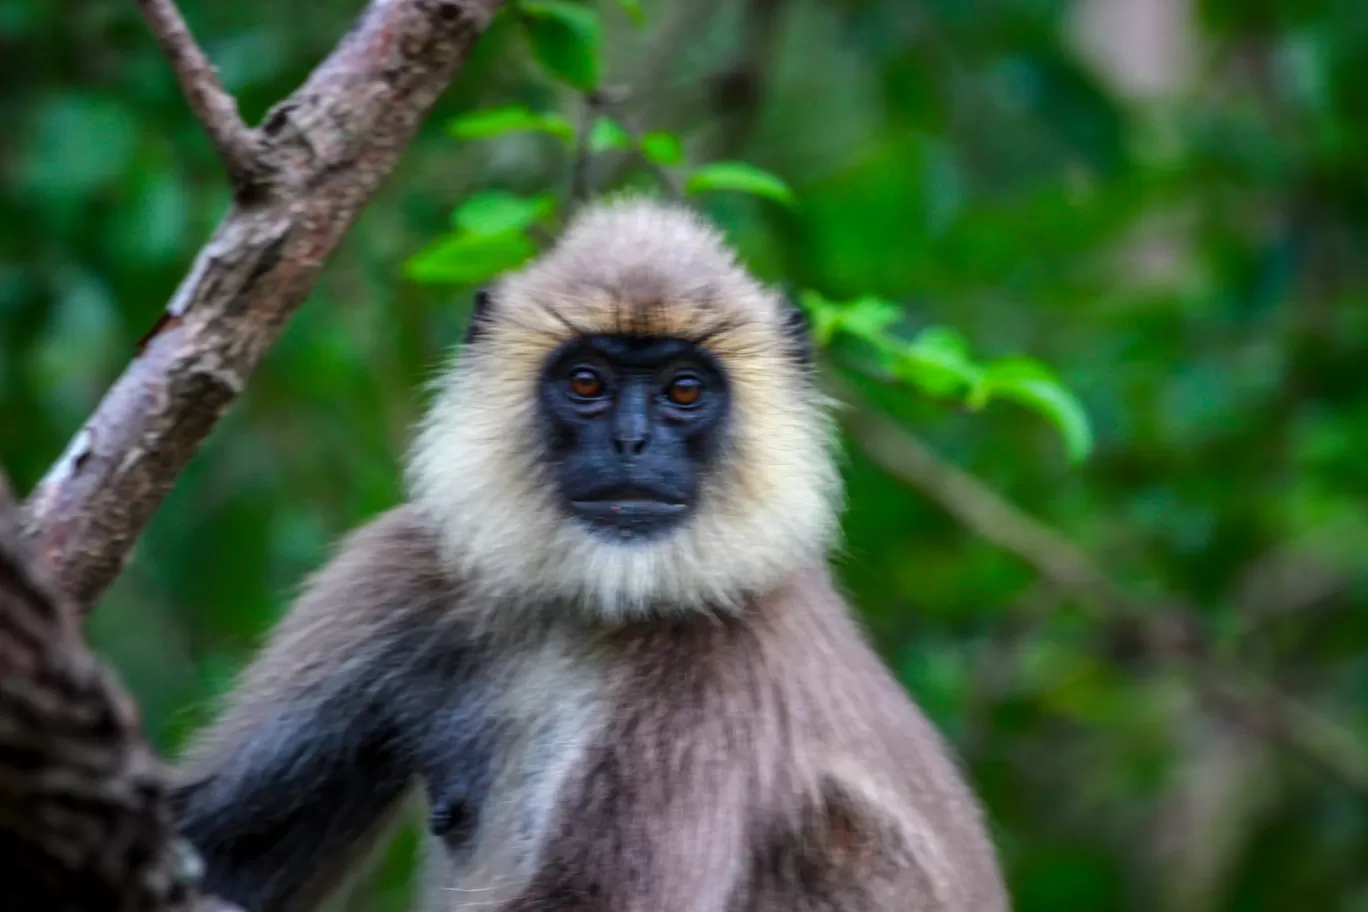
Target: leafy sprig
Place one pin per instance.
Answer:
(938, 362)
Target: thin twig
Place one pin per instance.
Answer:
(580, 189)
(1277, 717)
(738, 89)
(216, 110)
(1298, 577)
(990, 516)
(616, 99)
(669, 181)
(674, 34)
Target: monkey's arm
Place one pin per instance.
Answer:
(279, 818)
(290, 785)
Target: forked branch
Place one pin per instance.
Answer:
(216, 109)
(322, 154)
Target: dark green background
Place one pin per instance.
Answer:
(1191, 261)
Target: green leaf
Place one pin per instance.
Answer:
(493, 212)
(1022, 369)
(1031, 384)
(1003, 372)
(633, 10)
(942, 342)
(938, 361)
(823, 315)
(466, 259)
(741, 177)
(662, 148)
(865, 318)
(608, 134)
(565, 39)
(868, 318)
(508, 119)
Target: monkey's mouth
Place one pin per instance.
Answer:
(630, 510)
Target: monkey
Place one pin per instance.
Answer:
(599, 639)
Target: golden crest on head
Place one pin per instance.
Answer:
(641, 267)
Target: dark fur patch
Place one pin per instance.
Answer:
(798, 331)
(364, 688)
(481, 314)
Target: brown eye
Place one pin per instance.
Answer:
(585, 384)
(685, 391)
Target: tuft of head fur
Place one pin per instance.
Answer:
(478, 468)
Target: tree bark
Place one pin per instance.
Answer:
(83, 819)
(300, 180)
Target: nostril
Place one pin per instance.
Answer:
(630, 446)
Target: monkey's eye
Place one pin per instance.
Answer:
(585, 384)
(684, 390)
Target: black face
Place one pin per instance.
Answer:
(633, 424)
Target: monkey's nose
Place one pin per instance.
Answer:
(631, 445)
(632, 423)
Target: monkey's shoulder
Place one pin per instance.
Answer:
(383, 575)
(394, 555)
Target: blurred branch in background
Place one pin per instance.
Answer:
(1145, 50)
(738, 89)
(1296, 578)
(975, 504)
(1165, 633)
(1212, 806)
(84, 822)
(322, 154)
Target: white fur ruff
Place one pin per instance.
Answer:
(478, 468)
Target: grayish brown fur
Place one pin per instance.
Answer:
(727, 743)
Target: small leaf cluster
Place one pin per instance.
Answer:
(937, 361)
(496, 230)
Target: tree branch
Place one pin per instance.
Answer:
(738, 89)
(616, 99)
(83, 818)
(580, 189)
(216, 109)
(977, 506)
(325, 151)
(1167, 634)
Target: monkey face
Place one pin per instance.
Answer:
(632, 424)
(633, 427)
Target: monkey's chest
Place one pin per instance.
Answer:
(499, 767)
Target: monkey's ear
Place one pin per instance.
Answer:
(796, 328)
(479, 315)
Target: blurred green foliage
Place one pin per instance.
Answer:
(494, 231)
(1188, 260)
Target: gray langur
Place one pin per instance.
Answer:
(600, 639)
